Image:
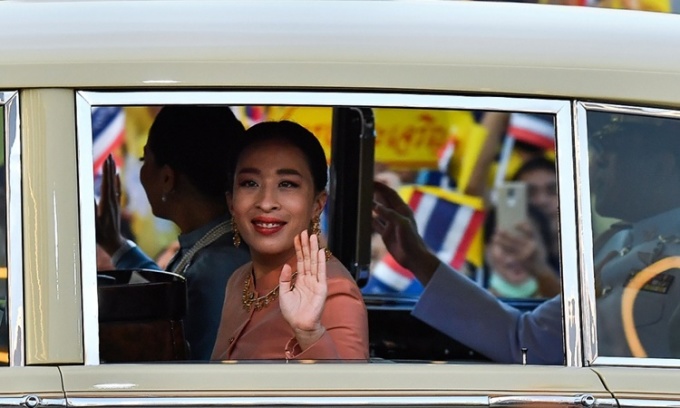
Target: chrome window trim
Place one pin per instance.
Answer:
(583, 400)
(591, 356)
(650, 403)
(565, 170)
(354, 401)
(636, 362)
(27, 400)
(323, 98)
(566, 184)
(88, 237)
(468, 401)
(585, 234)
(15, 287)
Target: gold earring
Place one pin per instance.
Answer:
(316, 230)
(237, 236)
(316, 226)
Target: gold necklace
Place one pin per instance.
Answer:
(249, 299)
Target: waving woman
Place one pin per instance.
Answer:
(293, 300)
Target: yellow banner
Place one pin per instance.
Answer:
(405, 138)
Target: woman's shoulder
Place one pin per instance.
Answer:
(336, 270)
(339, 278)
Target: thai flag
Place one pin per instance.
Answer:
(108, 131)
(255, 114)
(389, 277)
(447, 226)
(534, 128)
(447, 221)
(435, 178)
(440, 177)
(445, 154)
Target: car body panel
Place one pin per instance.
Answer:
(327, 379)
(53, 53)
(634, 386)
(52, 263)
(42, 383)
(370, 45)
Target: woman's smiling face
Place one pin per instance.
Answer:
(273, 198)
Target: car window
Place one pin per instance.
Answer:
(430, 155)
(482, 188)
(634, 193)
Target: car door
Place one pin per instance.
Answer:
(630, 315)
(337, 384)
(414, 378)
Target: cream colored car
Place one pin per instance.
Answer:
(359, 62)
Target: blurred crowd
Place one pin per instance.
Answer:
(646, 5)
(515, 258)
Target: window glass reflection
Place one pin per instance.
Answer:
(635, 192)
(483, 189)
(482, 186)
(171, 161)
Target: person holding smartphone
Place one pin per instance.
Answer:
(516, 257)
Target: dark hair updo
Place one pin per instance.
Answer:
(531, 165)
(295, 135)
(198, 142)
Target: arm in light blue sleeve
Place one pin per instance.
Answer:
(456, 306)
(134, 258)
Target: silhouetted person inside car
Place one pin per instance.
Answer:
(635, 176)
(185, 173)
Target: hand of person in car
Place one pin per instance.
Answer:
(302, 297)
(107, 217)
(393, 220)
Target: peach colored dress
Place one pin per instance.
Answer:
(264, 334)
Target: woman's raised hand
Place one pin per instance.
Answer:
(107, 217)
(302, 299)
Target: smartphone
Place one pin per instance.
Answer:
(511, 206)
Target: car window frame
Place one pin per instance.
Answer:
(13, 185)
(561, 108)
(585, 243)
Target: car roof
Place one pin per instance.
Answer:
(466, 46)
